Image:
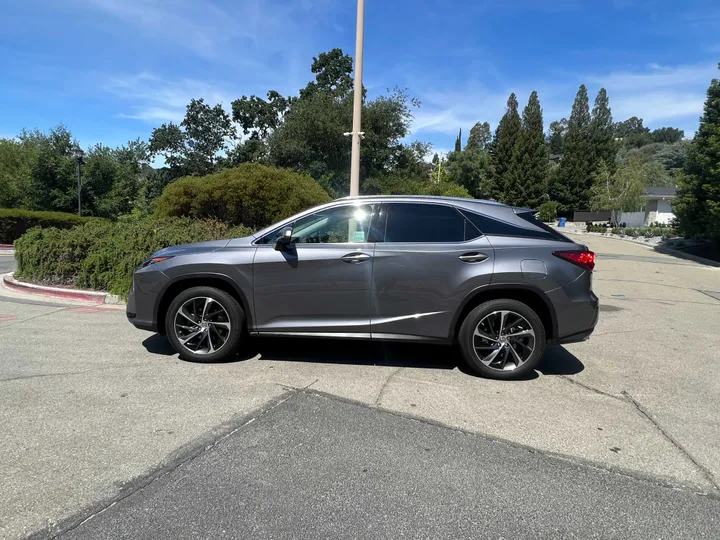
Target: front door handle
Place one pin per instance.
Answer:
(473, 257)
(355, 258)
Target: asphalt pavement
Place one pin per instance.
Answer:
(7, 264)
(317, 467)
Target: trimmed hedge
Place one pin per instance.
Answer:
(14, 223)
(252, 194)
(102, 255)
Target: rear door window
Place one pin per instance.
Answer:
(426, 223)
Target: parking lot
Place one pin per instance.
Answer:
(94, 412)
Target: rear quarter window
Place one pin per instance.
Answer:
(496, 227)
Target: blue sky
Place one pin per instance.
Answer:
(111, 70)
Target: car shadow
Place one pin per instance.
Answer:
(556, 361)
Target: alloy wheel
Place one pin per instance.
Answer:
(503, 340)
(202, 325)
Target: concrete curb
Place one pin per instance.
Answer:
(94, 297)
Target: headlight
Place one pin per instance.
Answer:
(153, 260)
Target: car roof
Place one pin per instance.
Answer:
(422, 198)
(464, 201)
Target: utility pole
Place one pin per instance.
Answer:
(78, 156)
(357, 101)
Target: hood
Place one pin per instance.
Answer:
(190, 249)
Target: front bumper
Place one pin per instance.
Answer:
(143, 299)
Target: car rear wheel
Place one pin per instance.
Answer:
(502, 339)
(205, 324)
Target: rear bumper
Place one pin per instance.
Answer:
(577, 315)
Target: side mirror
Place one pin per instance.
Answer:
(284, 240)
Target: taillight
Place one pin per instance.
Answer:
(584, 259)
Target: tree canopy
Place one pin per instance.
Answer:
(582, 161)
(698, 203)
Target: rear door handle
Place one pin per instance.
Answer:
(473, 257)
(355, 258)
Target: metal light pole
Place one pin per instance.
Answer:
(78, 156)
(357, 102)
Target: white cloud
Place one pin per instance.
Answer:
(248, 33)
(660, 95)
(155, 99)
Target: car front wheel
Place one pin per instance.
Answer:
(502, 339)
(205, 324)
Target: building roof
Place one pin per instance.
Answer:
(653, 192)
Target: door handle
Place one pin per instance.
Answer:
(355, 258)
(473, 257)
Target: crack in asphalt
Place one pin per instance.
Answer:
(60, 373)
(31, 318)
(677, 444)
(591, 389)
(384, 386)
(627, 398)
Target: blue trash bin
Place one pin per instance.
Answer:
(561, 222)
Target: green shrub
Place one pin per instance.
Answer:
(251, 194)
(548, 211)
(648, 232)
(103, 255)
(616, 230)
(15, 223)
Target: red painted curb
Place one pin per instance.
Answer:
(7, 246)
(70, 294)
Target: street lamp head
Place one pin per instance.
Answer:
(78, 154)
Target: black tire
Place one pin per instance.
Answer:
(231, 313)
(468, 340)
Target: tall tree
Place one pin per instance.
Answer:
(574, 177)
(192, 147)
(667, 135)
(698, 203)
(527, 177)
(503, 146)
(633, 133)
(602, 132)
(479, 137)
(472, 169)
(54, 181)
(619, 192)
(556, 136)
(458, 142)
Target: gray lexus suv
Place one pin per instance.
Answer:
(484, 275)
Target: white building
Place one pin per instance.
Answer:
(658, 208)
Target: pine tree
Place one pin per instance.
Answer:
(479, 137)
(503, 147)
(458, 142)
(602, 132)
(698, 203)
(556, 136)
(527, 185)
(571, 186)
